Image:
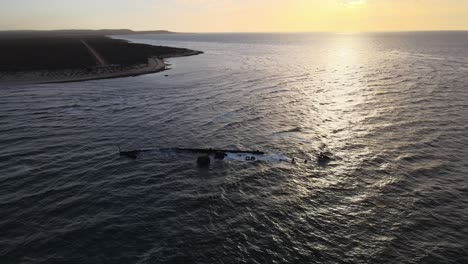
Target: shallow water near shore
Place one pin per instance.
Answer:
(392, 109)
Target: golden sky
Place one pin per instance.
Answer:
(238, 15)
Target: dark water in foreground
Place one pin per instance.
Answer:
(391, 108)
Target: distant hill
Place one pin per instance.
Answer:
(77, 32)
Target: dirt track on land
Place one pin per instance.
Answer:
(99, 59)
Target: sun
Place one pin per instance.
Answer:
(354, 3)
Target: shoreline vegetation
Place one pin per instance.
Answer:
(28, 57)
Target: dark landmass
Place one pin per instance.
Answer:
(122, 52)
(68, 52)
(78, 55)
(43, 53)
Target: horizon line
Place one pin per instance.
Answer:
(242, 32)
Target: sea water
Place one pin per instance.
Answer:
(391, 109)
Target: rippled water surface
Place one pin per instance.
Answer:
(392, 109)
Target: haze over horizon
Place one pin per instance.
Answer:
(237, 16)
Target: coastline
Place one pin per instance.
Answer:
(62, 76)
(155, 63)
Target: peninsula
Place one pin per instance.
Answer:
(78, 55)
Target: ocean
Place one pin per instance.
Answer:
(390, 109)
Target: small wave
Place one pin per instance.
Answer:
(292, 130)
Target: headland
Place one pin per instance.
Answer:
(78, 55)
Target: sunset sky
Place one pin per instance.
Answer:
(237, 15)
